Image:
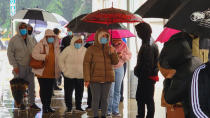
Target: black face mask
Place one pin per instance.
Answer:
(29, 32)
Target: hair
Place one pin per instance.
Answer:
(56, 31)
(144, 31)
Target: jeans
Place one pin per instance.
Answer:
(114, 94)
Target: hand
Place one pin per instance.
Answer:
(119, 54)
(87, 84)
(16, 70)
(112, 49)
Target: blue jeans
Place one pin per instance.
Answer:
(114, 93)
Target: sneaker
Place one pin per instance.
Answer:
(48, 110)
(22, 107)
(80, 110)
(116, 115)
(35, 107)
(68, 111)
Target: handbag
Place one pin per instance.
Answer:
(37, 64)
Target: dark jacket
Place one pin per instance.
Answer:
(200, 92)
(65, 42)
(147, 61)
(177, 54)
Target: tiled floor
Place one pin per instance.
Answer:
(128, 108)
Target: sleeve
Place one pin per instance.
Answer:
(127, 54)
(11, 54)
(61, 60)
(114, 58)
(36, 53)
(87, 65)
(156, 58)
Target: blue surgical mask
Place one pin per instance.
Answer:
(77, 45)
(50, 40)
(69, 33)
(23, 31)
(103, 40)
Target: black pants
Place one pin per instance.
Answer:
(46, 90)
(69, 86)
(145, 96)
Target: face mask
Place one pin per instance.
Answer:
(77, 45)
(69, 33)
(50, 40)
(29, 32)
(23, 31)
(103, 40)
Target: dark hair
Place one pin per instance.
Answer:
(56, 31)
(144, 31)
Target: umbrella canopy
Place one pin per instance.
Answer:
(78, 26)
(75, 21)
(193, 16)
(18, 88)
(110, 16)
(61, 20)
(166, 34)
(158, 8)
(116, 34)
(35, 14)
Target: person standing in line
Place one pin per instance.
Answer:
(124, 55)
(47, 50)
(146, 70)
(71, 64)
(19, 52)
(98, 70)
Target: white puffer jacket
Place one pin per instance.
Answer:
(71, 60)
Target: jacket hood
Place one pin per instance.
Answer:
(99, 34)
(176, 51)
(17, 27)
(75, 38)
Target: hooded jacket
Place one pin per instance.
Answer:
(71, 60)
(39, 50)
(177, 54)
(18, 51)
(98, 62)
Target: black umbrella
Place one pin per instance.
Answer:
(35, 14)
(18, 88)
(158, 8)
(77, 25)
(193, 16)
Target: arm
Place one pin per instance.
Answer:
(61, 60)
(11, 54)
(126, 55)
(114, 58)
(87, 65)
(36, 53)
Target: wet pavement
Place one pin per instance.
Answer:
(128, 108)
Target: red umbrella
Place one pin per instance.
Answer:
(110, 16)
(166, 34)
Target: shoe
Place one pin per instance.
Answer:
(22, 107)
(116, 115)
(88, 108)
(99, 108)
(35, 107)
(68, 111)
(57, 88)
(48, 110)
(79, 110)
